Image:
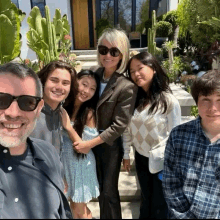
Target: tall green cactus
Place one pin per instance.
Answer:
(44, 35)
(10, 23)
(151, 35)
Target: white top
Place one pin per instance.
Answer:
(146, 131)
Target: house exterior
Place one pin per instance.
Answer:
(82, 16)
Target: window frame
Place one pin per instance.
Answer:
(32, 5)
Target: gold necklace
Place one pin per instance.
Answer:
(105, 80)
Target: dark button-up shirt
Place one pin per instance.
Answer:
(191, 178)
(49, 126)
(31, 185)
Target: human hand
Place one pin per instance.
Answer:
(65, 119)
(82, 147)
(126, 164)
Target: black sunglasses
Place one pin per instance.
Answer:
(114, 51)
(25, 102)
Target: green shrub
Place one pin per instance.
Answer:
(160, 18)
(178, 64)
(101, 25)
(171, 17)
(194, 111)
(175, 69)
(163, 29)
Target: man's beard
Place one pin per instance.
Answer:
(10, 142)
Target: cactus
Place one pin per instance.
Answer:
(151, 35)
(10, 23)
(44, 35)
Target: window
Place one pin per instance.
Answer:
(142, 14)
(40, 4)
(159, 5)
(124, 14)
(15, 2)
(107, 10)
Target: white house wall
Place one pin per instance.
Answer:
(173, 5)
(25, 6)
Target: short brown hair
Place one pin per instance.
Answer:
(206, 84)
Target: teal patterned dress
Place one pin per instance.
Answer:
(80, 172)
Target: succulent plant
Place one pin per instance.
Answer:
(10, 23)
(152, 35)
(45, 36)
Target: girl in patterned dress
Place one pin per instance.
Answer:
(79, 124)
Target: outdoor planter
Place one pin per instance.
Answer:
(160, 41)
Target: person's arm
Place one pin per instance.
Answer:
(75, 138)
(121, 118)
(178, 204)
(174, 115)
(127, 140)
(67, 125)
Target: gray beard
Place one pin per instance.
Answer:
(10, 144)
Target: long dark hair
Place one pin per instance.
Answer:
(86, 107)
(159, 85)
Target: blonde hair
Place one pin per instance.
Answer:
(119, 39)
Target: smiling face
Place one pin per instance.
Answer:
(15, 124)
(142, 75)
(86, 89)
(109, 62)
(209, 110)
(57, 87)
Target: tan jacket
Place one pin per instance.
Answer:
(115, 106)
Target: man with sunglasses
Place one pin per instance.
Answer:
(31, 184)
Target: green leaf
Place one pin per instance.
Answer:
(66, 24)
(34, 19)
(44, 45)
(4, 5)
(21, 15)
(59, 30)
(57, 15)
(34, 36)
(47, 57)
(215, 22)
(49, 30)
(17, 26)
(7, 39)
(44, 30)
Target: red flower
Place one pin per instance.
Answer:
(27, 61)
(67, 37)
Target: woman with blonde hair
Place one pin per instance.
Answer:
(117, 96)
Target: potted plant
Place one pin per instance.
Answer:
(163, 30)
